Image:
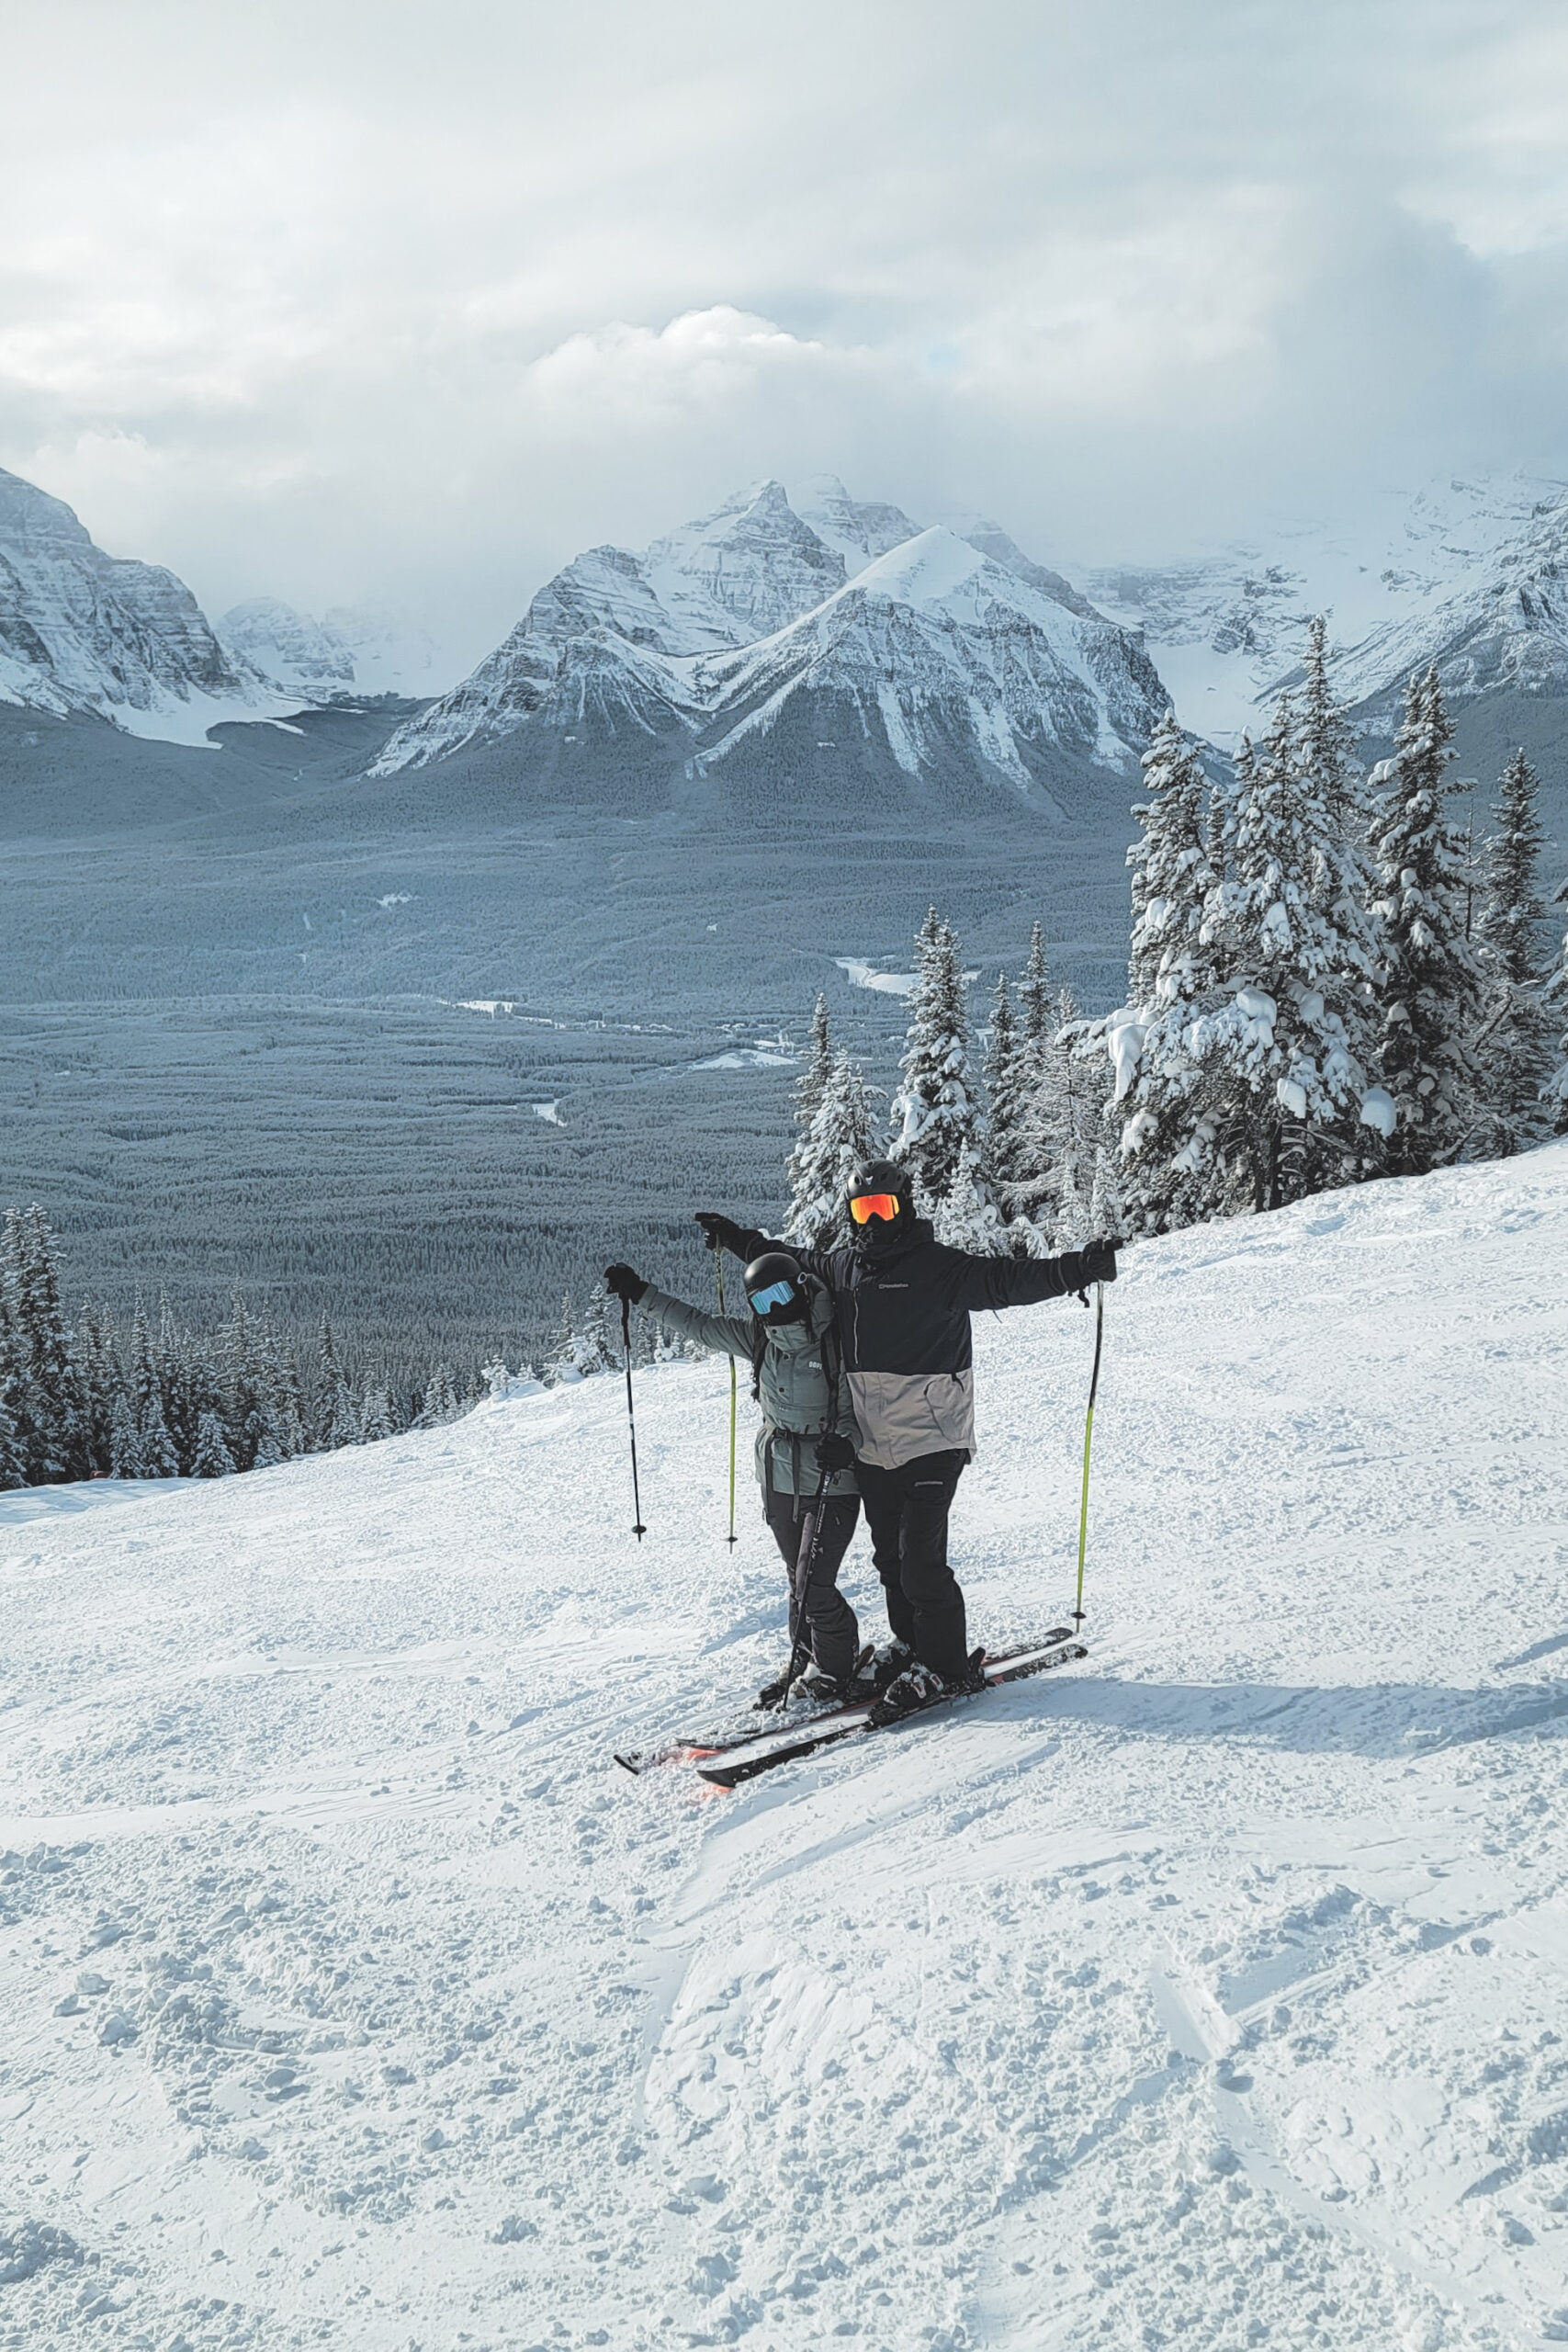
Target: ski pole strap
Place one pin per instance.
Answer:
(1088, 1440)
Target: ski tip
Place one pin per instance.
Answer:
(631, 1763)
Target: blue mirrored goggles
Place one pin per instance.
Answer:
(776, 1295)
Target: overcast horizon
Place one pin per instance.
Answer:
(380, 302)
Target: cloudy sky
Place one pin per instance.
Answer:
(414, 299)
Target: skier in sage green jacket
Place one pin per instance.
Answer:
(806, 1446)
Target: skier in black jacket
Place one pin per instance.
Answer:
(904, 1304)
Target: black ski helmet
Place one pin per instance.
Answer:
(775, 1287)
(881, 1176)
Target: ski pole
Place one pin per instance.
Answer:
(1087, 1435)
(640, 1530)
(719, 1278)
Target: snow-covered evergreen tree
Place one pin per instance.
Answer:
(842, 1138)
(52, 1421)
(125, 1440)
(335, 1414)
(1008, 1076)
(939, 1128)
(1036, 1007)
(593, 1351)
(212, 1458)
(1073, 1131)
(1515, 1039)
(1280, 1081)
(810, 1087)
(440, 1403)
(1169, 870)
(155, 1447)
(1325, 746)
(1427, 986)
(1219, 816)
(99, 1368)
(1167, 1138)
(13, 1438)
(1555, 1095)
(375, 1415)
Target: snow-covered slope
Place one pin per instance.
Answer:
(1462, 573)
(1214, 1994)
(81, 630)
(755, 641)
(356, 649)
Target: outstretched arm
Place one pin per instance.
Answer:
(1021, 1282)
(745, 1242)
(727, 1335)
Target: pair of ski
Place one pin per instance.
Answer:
(727, 1763)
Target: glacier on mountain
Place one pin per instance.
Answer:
(762, 632)
(352, 651)
(83, 631)
(1462, 573)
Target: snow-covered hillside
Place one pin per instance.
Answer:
(354, 649)
(1462, 573)
(1215, 1992)
(81, 630)
(760, 639)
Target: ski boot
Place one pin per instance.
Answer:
(918, 1686)
(775, 1693)
(839, 1691)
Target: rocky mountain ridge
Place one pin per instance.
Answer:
(1466, 574)
(841, 648)
(83, 631)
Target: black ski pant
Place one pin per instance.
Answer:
(814, 1537)
(905, 1511)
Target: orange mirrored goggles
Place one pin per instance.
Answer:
(866, 1205)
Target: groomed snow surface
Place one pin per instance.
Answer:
(1213, 1994)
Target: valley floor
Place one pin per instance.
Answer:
(1214, 1993)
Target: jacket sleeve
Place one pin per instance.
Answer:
(980, 1283)
(727, 1335)
(826, 1264)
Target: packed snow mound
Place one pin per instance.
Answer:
(848, 631)
(1214, 1991)
(84, 631)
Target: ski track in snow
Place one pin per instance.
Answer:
(1213, 1993)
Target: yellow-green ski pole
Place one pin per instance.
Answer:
(1087, 1438)
(719, 1278)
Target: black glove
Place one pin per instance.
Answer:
(834, 1453)
(621, 1282)
(722, 1233)
(1094, 1263)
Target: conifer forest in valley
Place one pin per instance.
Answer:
(1334, 975)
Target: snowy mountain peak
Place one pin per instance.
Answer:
(745, 570)
(859, 531)
(83, 631)
(853, 646)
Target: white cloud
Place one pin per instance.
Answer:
(377, 299)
